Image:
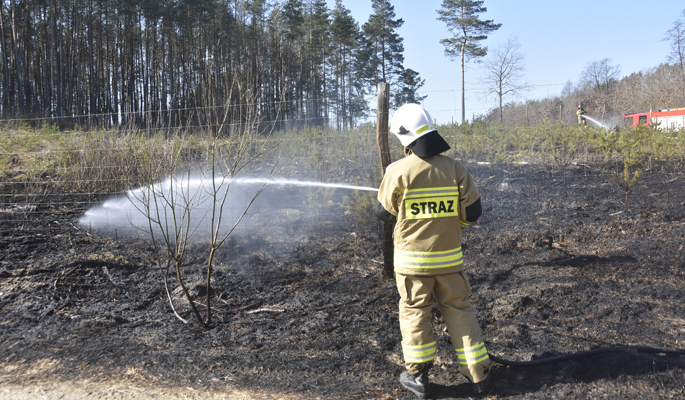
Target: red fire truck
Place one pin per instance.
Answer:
(668, 120)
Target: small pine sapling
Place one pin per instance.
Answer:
(625, 181)
(629, 144)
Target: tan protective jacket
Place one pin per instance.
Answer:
(428, 196)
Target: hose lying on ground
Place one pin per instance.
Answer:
(580, 354)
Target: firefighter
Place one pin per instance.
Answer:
(430, 197)
(581, 112)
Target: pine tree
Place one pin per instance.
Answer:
(318, 40)
(461, 17)
(293, 15)
(383, 48)
(409, 84)
(345, 43)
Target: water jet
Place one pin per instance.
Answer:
(188, 200)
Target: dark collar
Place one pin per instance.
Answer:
(429, 144)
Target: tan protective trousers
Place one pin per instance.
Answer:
(416, 305)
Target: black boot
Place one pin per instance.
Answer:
(417, 384)
(481, 387)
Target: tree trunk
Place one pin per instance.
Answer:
(18, 64)
(115, 72)
(45, 65)
(56, 44)
(74, 65)
(5, 66)
(463, 95)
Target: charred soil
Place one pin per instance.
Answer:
(557, 265)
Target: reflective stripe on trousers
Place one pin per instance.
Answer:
(472, 355)
(428, 259)
(419, 354)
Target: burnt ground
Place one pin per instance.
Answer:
(305, 312)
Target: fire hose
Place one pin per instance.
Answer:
(588, 353)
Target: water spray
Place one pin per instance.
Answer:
(295, 182)
(594, 121)
(130, 212)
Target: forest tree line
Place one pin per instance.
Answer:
(185, 62)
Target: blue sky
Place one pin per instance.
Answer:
(558, 38)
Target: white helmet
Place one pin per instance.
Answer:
(410, 122)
